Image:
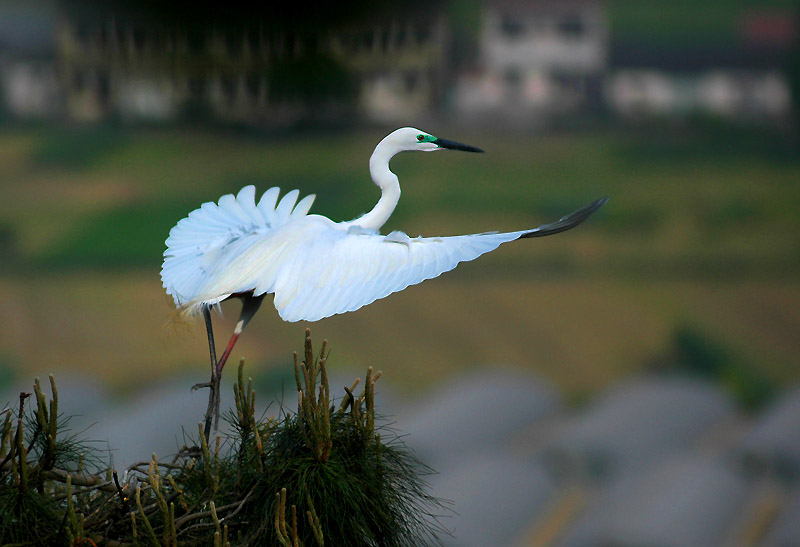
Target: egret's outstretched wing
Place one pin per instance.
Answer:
(336, 272)
(314, 267)
(341, 272)
(212, 236)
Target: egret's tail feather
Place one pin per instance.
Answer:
(191, 310)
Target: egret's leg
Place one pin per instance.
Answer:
(213, 385)
(210, 332)
(250, 305)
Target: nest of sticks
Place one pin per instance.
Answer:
(321, 475)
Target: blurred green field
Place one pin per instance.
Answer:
(701, 233)
(687, 22)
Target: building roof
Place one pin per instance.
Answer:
(680, 58)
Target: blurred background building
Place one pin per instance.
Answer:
(743, 80)
(536, 60)
(520, 62)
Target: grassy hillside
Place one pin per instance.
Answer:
(701, 232)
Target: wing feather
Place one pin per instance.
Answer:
(285, 206)
(246, 201)
(205, 244)
(352, 270)
(303, 206)
(267, 204)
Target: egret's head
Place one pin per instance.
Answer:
(409, 138)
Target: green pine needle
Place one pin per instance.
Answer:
(321, 475)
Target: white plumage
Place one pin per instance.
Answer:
(315, 267)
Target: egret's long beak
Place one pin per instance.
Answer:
(442, 143)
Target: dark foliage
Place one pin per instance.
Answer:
(319, 476)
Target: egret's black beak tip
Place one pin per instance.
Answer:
(452, 145)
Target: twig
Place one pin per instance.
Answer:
(12, 449)
(147, 526)
(75, 492)
(122, 497)
(204, 514)
(135, 466)
(79, 479)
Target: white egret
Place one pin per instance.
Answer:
(314, 266)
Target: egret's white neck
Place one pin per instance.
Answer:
(387, 182)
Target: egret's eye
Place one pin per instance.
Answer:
(420, 137)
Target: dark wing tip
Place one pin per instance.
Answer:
(566, 222)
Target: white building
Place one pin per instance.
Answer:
(537, 58)
(29, 85)
(743, 81)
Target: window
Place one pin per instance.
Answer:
(572, 27)
(512, 27)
